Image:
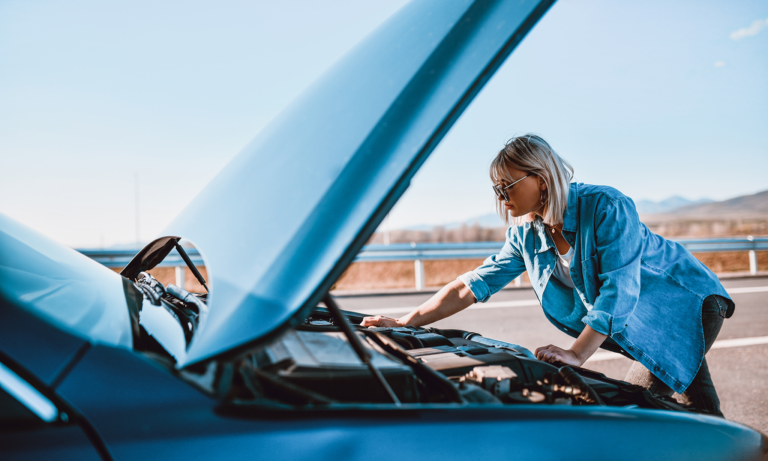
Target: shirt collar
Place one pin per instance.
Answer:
(541, 241)
(571, 218)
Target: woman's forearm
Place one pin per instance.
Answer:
(587, 343)
(583, 348)
(451, 299)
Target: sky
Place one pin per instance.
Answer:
(104, 105)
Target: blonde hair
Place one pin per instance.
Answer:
(532, 154)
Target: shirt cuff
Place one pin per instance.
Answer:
(599, 321)
(476, 285)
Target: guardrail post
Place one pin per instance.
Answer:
(180, 276)
(752, 258)
(418, 266)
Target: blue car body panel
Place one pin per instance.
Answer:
(285, 217)
(63, 286)
(142, 411)
(41, 348)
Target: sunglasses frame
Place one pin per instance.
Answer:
(501, 192)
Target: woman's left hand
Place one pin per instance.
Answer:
(553, 354)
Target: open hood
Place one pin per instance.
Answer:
(286, 216)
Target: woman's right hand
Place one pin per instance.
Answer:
(451, 299)
(381, 321)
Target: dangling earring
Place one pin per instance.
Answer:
(541, 197)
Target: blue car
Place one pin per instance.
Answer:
(263, 364)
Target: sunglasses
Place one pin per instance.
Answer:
(501, 192)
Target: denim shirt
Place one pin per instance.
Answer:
(632, 285)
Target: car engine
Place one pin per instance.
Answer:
(315, 364)
(330, 360)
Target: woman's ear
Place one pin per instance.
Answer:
(542, 184)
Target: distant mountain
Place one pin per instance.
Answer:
(746, 206)
(667, 205)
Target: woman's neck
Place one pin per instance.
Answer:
(557, 227)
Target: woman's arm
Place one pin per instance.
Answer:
(583, 348)
(451, 299)
(474, 286)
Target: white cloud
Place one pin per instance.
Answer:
(719, 64)
(751, 30)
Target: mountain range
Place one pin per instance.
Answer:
(667, 205)
(743, 207)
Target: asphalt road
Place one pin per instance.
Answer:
(738, 361)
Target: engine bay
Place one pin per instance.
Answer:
(316, 365)
(330, 360)
(422, 364)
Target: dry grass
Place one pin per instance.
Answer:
(731, 261)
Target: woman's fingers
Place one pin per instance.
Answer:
(379, 321)
(371, 321)
(549, 354)
(552, 354)
(541, 352)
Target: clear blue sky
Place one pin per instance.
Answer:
(654, 98)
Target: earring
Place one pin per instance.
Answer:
(541, 197)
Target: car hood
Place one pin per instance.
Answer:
(280, 223)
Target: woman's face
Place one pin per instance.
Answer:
(525, 196)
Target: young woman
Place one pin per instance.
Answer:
(600, 275)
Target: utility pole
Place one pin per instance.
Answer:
(136, 198)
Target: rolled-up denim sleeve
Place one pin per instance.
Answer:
(497, 270)
(619, 250)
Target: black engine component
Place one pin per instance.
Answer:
(325, 363)
(455, 353)
(571, 378)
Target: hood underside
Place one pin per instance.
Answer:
(285, 217)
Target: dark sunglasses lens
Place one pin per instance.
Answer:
(501, 193)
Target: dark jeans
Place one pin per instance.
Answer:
(701, 393)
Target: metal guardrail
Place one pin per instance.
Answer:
(420, 252)
(425, 251)
(710, 245)
(121, 258)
